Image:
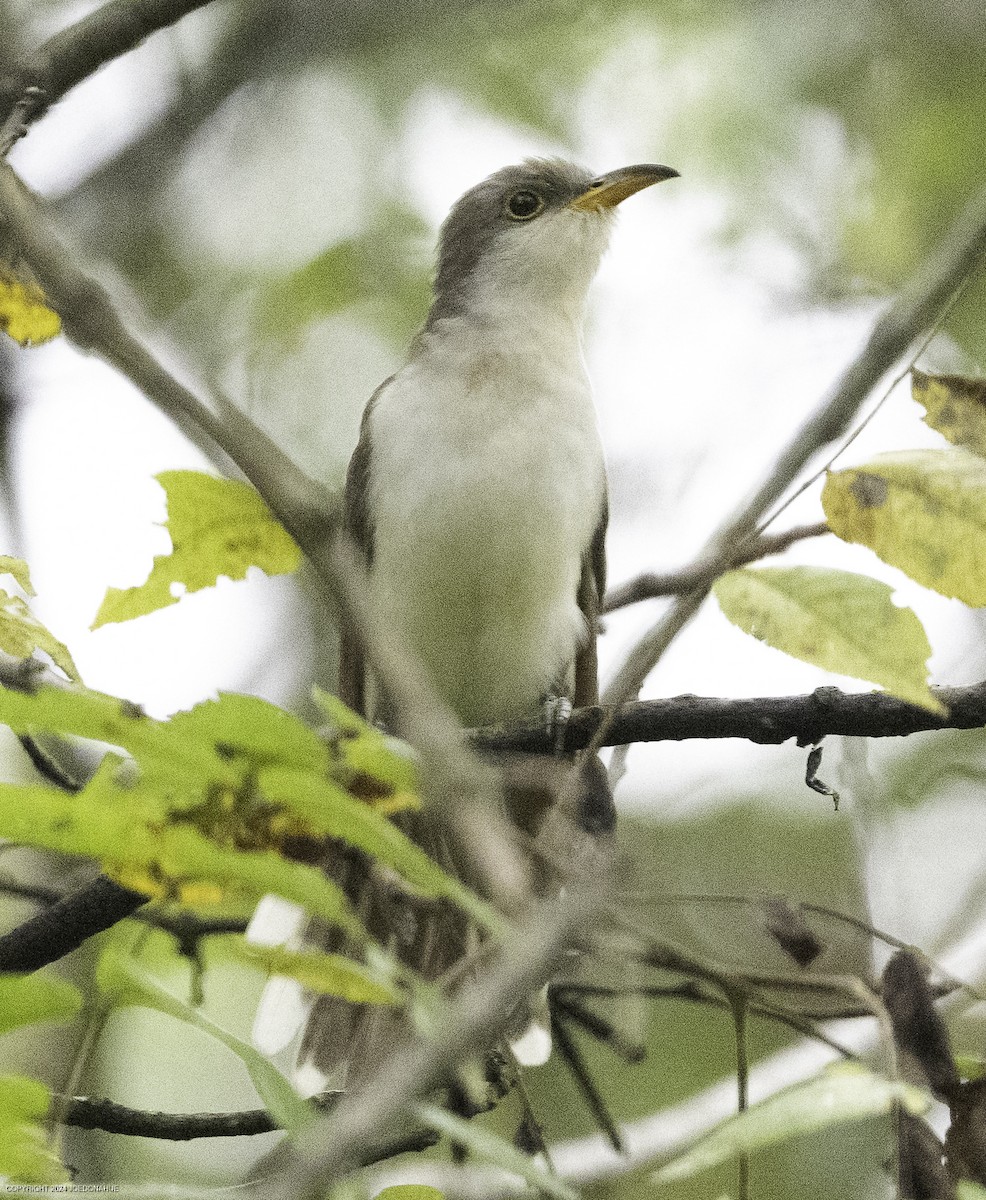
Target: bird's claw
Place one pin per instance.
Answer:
(557, 710)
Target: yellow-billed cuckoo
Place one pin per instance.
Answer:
(477, 492)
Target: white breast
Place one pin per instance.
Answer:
(487, 481)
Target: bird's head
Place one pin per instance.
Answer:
(531, 235)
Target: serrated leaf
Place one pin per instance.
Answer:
(19, 569)
(327, 808)
(219, 528)
(234, 724)
(494, 1149)
(923, 511)
(365, 751)
(836, 620)
(955, 406)
(24, 315)
(847, 1092)
(138, 848)
(21, 633)
(128, 983)
(327, 974)
(26, 999)
(102, 718)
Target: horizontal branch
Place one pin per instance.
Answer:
(75, 53)
(766, 720)
(84, 1112)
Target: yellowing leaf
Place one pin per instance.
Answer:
(25, 999)
(25, 1155)
(20, 571)
(955, 406)
(334, 813)
(923, 511)
(847, 1092)
(328, 974)
(836, 620)
(218, 527)
(23, 312)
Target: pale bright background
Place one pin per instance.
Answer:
(729, 302)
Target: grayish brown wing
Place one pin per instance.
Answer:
(592, 585)
(358, 523)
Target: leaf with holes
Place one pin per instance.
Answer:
(836, 620)
(218, 527)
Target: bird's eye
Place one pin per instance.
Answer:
(523, 205)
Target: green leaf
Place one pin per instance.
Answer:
(967, 1190)
(128, 983)
(494, 1149)
(970, 1066)
(251, 728)
(328, 974)
(21, 633)
(836, 620)
(102, 718)
(173, 861)
(18, 568)
(846, 1092)
(326, 807)
(955, 406)
(26, 999)
(365, 751)
(218, 527)
(923, 511)
(25, 1155)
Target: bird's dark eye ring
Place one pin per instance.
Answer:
(523, 205)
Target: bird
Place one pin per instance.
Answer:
(477, 492)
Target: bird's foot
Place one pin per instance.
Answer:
(557, 710)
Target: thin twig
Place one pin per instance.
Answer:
(649, 586)
(916, 306)
(73, 54)
(327, 1149)
(887, 392)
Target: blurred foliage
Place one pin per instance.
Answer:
(846, 135)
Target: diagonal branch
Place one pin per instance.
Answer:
(73, 54)
(905, 320)
(650, 585)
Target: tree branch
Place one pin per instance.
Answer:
(73, 54)
(83, 1112)
(649, 586)
(767, 720)
(58, 930)
(909, 314)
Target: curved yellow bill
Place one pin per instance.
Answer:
(608, 190)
